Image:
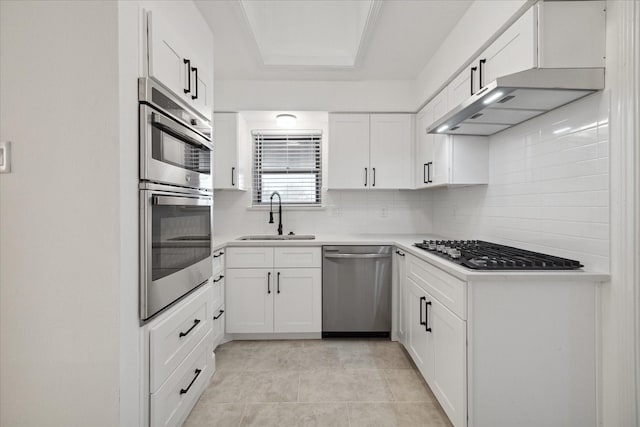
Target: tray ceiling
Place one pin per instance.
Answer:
(327, 39)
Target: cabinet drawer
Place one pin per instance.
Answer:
(449, 290)
(218, 326)
(218, 292)
(171, 404)
(218, 262)
(177, 334)
(298, 257)
(249, 257)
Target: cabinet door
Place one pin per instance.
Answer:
(349, 151)
(459, 90)
(450, 361)
(440, 169)
(391, 151)
(249, 300)
(298, 300)
(225, 139)
(419, 341)
(166, 54)
(513, 51)
(202, 99)
(424, 146)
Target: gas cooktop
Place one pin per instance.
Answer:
(481, 255)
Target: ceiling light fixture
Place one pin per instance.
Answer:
(286, 120)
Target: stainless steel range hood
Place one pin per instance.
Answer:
(518, 97)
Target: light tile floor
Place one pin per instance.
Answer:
(316, 383)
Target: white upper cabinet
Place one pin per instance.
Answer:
(513, 51)
(391, 142)
(180, 56)
(230, 152)
(348, 151)
(542, 38)
(371, 151)
(448, 160)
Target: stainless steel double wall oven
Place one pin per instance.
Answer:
(176, 198)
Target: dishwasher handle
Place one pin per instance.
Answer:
(358, 256)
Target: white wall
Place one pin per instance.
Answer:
(346, 212)
(547, 192)
(335, 96)
(59, 214)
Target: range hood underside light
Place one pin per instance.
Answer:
(497, 106)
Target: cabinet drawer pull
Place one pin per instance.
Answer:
(373, 184)
(195, 323)
(399, 253)
(195, 70)
(426, 317)
(482, 62)
(218, 279)
(185, 390)
(278, 282)
(366, 172)
(269, 282)
(422, 299)
(218, 316)
(473, 71)
(233, 170)
(188, 63)
(429, 180)
(219, 254)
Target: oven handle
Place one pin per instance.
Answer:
(178, 131)
(180, 201)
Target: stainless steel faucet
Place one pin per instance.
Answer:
(275, 193)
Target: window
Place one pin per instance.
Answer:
(289, 163)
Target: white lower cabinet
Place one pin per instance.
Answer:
(298, 300)
(281, 298)
(173, 401)
(418, 342)
(504, 351)
(249, 300)
(448, 338)
(436, 340)
(179, 356)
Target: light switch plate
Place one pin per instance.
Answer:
(5, 157)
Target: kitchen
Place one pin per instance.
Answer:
(565, 183)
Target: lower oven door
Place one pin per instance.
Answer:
(175, 246)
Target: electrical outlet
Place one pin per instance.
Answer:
(384, 212)
(336, 211)
(454, 212)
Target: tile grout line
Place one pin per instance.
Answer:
(386, 380)
(244, 408)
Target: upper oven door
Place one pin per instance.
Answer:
(173, 153)
(175, 246)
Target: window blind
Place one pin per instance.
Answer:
(289, 163)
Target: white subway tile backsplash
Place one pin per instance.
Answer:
(547, 191)
(354, 212)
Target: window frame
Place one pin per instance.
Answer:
(257, 181)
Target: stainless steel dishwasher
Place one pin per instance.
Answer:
(356, 291)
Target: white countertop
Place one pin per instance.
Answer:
(405, 243)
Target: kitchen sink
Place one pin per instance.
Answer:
(278, 237)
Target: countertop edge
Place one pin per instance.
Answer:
(405, 243)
